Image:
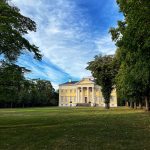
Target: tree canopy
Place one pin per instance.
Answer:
(132, 37)
(104, 71)
(13, 27)
(17, 91)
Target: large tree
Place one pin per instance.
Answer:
(132, 37)
(13, 27)
(104, 71)
(11, 81)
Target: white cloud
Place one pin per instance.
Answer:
(63, 37)
(105, 45)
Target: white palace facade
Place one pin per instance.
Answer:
(83, 93)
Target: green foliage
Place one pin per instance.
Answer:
(11, 78)
(13, 27)
(132, 38)
(16, 91)
(104, 69)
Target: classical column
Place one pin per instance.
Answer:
(93, 95)
(87, 94)
(81, 94)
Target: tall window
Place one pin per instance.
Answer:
(112, 98)
(66, 99)
(62, 99)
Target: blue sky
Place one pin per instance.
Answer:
(69, 34)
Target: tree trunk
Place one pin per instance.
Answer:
(147, 104)
(140, 104)
(135, 107)
(127, 103)
(132, 105)
(107, 105)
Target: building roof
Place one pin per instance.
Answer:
(70, 83)
(90, 79)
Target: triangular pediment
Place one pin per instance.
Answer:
(85, 81)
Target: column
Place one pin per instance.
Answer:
(81, 94)
(93, 98)
(78, 95)
(87, 94)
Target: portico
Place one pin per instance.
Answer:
(85, 94)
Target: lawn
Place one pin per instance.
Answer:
(74, 129)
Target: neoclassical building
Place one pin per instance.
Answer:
(83, 93)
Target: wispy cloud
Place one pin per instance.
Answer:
(65, 38)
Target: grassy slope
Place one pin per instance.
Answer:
(74, 128)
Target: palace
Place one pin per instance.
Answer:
(83, 93)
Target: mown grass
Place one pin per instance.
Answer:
(74, 129)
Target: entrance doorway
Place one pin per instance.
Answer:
(85, 99)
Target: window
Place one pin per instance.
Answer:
(112, 98)
(62, 99)
(97, 99)
(103, 99)
(70, 91)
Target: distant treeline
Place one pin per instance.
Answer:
(17, 91)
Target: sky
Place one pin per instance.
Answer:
(69, 34)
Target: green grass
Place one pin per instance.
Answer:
(74, 129)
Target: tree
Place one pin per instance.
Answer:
(11, 80)
(104, 71)
(13, 27)
(16, 91)
(132, 37)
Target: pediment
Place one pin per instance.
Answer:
(85, 81)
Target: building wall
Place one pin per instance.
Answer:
(68, 95)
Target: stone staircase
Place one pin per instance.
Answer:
(84, 104)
